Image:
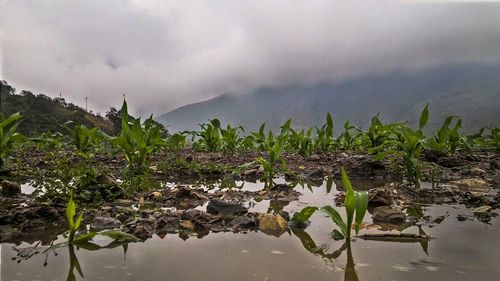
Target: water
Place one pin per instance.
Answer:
(468, 250)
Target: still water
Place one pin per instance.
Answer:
(459, 250)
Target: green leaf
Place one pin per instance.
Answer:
(119, 235)
(424, 117)
(361, 206)
(336, 218)
(304, 214)
(70, 211)
(336, 235)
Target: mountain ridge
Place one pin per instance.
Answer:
(470, 91)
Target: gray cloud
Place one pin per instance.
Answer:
(163, 54)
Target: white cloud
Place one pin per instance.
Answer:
(164, 54)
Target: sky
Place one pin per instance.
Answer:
(165, 54)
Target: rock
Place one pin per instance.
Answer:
(165, 225)
(241, 222)
(495, 164)
(380, 197)
(451, 161)
(343, 155)
(106, 179)
(496, 181)
(363, 166)
(482, 210)
(388, 214)
(315, 175)
(473, 184)
(155, 194)
(224, 208)
(461, 217)
(186, 224)
(253, 173)
(6, 232)
(272, 224)
(142, 232)
(284, 214)
(100, 223)
(10, 189)
(477, 171)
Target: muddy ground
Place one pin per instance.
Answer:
(180, 208)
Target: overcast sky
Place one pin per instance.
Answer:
(164, 54)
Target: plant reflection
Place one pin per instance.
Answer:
(309, 244)
(29, 252)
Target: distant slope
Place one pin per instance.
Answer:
(42, 113)
(469, 91)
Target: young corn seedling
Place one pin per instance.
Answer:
(231, 139)
(209, 136)
(274, 148)
(448, 139)
(138, 141)
(408, 145)
(84, 139)
(75, 223)
(9, 137)
(355, 204)
(325, 141)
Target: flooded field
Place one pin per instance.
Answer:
(460, 248)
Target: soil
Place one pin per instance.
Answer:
(180, 208)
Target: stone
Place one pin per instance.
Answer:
(388, 214)
(272, 224)
(315, 175)
(155, 194)
(495, 164)
(241, 222)
(451, 161)
(224, 208)
(106, 179)
(10, 189)
(477, 171)
(482, 210)
(142, 232)
(100, 223)
(186, 224)
(380, 197)
(363, 166)
(473, 184)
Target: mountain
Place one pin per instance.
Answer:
(42, 113)
(470, 91)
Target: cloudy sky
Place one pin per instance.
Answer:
(164, 54)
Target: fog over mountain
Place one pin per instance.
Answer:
(469, 91)
(165, 54)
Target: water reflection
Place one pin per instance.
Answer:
(309, 244)
(26, 253)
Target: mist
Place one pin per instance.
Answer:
(164, 54)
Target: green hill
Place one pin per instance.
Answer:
(42, 113)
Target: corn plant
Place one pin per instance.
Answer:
(177, 141)
(9, 137)
(350, 140)
(378, 133)
(300, 142)
(446, 138)
(408, 145)
(231, 139)
(325, 141)
(256, 139)
(484, 141)
(209, 136)
(137, 141)
(75, 223)
(84, 139)
(274, 146)
(355, 204)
